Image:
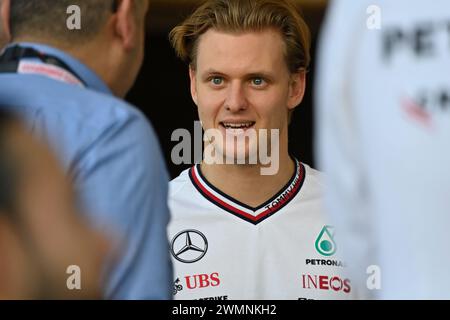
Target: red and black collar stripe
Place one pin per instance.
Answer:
(241, 210)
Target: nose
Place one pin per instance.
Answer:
(236, 98)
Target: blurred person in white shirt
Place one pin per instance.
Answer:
(383, 133)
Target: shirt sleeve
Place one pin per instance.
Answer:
(122, 182)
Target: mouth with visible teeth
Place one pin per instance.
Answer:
(238, 125)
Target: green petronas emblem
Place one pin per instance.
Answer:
(325, 244)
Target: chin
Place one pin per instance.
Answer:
(236, 154)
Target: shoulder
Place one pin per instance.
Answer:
(314, 180)
(63, 103)
(84, 126)
(96, 110)
(180, 185)
(50, 104)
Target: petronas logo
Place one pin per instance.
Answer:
(325, 244)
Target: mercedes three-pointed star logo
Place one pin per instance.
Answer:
(189, 246)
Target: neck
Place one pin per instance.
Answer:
(245, 183)
(100, 66)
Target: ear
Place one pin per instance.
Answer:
(5, 6)
(192, 76)
(125, 21)
(297, 87)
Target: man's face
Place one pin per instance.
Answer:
(241, 82)
(51, 231)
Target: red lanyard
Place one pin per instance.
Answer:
(51, 71)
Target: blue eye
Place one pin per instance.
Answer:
(258, 81)
(217, 81)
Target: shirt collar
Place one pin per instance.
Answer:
(88, 76)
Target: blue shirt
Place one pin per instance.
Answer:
(112, 153)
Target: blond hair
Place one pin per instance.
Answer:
(237, 16)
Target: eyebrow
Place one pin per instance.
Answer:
(257, 74)
(211, 72)
(264, 75)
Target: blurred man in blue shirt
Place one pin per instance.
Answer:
(64, 83)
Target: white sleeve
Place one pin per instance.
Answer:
(337, 136)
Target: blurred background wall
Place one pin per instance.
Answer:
(162, 88)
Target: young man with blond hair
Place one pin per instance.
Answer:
(240, 231)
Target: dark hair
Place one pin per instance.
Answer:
(48, 19)
(8, 166)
